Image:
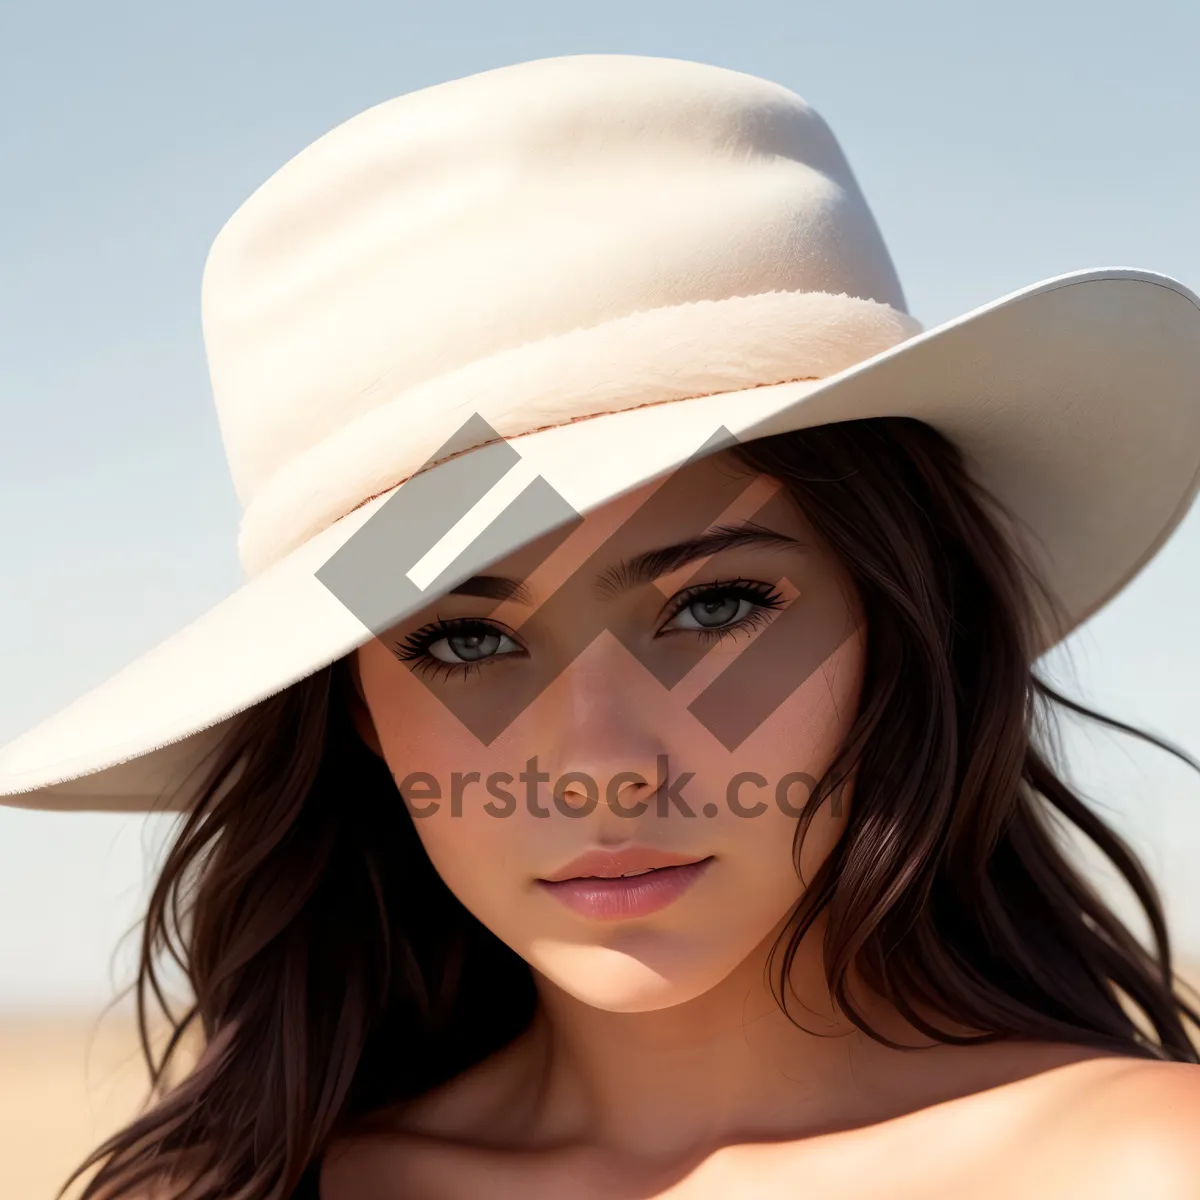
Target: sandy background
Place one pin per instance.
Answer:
(68, 1080)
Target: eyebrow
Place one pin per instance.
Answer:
(651, 565)
(492, 587)
(642, 568)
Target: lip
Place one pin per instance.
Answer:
(599, 885)
(608, 864)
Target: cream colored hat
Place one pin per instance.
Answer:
(593, 265)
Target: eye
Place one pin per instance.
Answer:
(472, 646)
(719, 608)
(463, 643)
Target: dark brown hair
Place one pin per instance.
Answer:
(333, 973)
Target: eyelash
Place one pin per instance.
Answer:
(415, 648)
(766, 600)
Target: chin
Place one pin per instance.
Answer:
(636, 972)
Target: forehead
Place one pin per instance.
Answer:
(713, 491)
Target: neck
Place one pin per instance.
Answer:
(725, 1066)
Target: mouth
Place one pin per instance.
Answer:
(614, 890)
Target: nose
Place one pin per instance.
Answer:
(603, 737)
(624, 793)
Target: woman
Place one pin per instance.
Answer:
(625, 772)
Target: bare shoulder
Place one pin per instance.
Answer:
(450, 1129)
(1123, 1127)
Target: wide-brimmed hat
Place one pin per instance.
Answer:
(473, 311)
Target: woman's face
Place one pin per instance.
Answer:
(658, 688)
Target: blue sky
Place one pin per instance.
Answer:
(997, 145)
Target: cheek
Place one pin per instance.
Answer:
(441, 770)
(760, 787)
(416, 732)
(478, 858)
(795, 747)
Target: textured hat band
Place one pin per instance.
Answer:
(678, 352)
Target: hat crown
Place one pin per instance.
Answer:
(460, 221)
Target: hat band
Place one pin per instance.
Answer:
(656, 356)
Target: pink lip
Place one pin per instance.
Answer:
(592, 885)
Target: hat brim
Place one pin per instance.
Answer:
(1076, 401)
